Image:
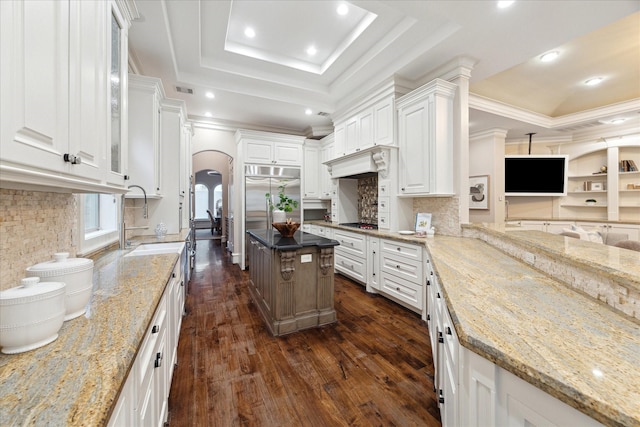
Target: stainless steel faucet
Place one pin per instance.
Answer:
(123, 229)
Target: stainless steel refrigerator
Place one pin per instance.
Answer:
(260, 180)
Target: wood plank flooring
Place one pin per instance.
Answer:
(372, 368)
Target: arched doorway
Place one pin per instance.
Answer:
(211, 193)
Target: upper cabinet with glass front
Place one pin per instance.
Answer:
(63, 76)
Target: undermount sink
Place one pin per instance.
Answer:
(157, 248)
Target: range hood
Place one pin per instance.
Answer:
(369, 160)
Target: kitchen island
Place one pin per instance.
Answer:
(291, 279)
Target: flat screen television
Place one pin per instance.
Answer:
(536, 175)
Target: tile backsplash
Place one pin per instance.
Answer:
(368, 199)
(33, 226)
(445, 210)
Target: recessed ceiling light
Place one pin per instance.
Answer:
(343, 9)
(594, 81)
(311, 50)
(617, 121)
(308, 111)
(208, 114)
(210, 95)
(505, 3)
(249, 32)
(549, 56)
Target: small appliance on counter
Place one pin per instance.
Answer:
(31, 315)
(76, 273)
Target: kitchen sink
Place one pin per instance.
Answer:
(157, 248)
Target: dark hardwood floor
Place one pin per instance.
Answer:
(373, 367)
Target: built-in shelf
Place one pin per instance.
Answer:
(594, 175)
(584, 205)
(587, 192)
(140, 196)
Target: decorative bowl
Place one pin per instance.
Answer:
(31, 315)
(286, 229)
(77, 273)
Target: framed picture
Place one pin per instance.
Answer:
(423, 222)
(479, 192)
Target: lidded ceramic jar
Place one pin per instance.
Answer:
(31, 315)
(77, 273)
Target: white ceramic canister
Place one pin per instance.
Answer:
(77, 273)
(31, 315)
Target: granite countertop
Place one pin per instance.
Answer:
(273, 240)
(567, 344)
(76, 379)
(572, 346)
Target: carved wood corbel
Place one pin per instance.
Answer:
(287, 264)
(326, 260)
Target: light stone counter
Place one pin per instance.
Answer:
(571, 346)
(76, 379)
(537, 327)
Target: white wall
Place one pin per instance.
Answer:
(486, 149)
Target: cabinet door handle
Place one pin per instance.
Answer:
(428, 282)
(158, 361)
(438, 295)
(428, 317)
(441, 398)
(155, 329)
(448, 330)
(440, 337)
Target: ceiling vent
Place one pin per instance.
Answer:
(323, 114)
(184, 90)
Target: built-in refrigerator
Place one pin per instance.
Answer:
(262, 180)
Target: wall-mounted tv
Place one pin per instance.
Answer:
(536, 175)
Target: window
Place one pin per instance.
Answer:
(202, 201)
(98, 218)
(91, 213)
(217, 201)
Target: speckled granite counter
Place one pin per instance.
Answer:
(539, 328)
(76, 379)
(567, 344)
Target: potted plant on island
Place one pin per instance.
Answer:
(279, 210)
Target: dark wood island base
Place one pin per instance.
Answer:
(291, 280)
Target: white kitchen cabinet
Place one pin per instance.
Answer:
(371, 124)
(425, 140)
(56, 129)
(311, 170)
(326, 153)
(150, 369)
(144, 396)
(145, 94)
(401, 274)
(473, 391)
(272, 152)
(373, 263)
(351, 255)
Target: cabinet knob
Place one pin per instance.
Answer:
(440, 337)
(402, 189)
(448, 330)
(155, 329)
(438, 295)
(398, 266)
(399, 249)
(428, 317)
(428, 282)
(126, 177)
(398, 289)
(74, 160)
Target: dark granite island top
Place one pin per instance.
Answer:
(291, 279)
(273, 240)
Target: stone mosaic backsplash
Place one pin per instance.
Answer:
(445, 217)
(368, 199)
(33, 226)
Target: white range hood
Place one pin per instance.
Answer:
(374, 159)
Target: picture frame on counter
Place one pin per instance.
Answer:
(479, 192)
(423, 222)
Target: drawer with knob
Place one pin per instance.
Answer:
(406, 250)
(401, 266)
(351, 267)
(402, 289)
